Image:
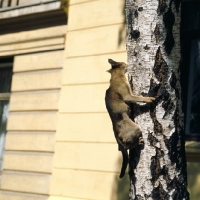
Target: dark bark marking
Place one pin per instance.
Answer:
(130, 18)
(135, 34)
(180, 144)
(159, 91)
(164, 94)
(136, 14)
(169, 42)
(159, 193)
(157, 125)
(180, 191)
(140, 9)
(166, 177)
(177, 184)
(168, 106)
(169, 19)
(177, 5)
(153, 140)
(171, 145)
(177, 93)
(173, 80)
(157, 33)
(147, 196)
(139, 197)
(154, 88)
(161, 6)
(146, 47)
(155, 168)
(160, 67)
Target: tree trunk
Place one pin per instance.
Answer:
(157, 170)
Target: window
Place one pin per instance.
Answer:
(5, 86)
(190, 67)
(193, 98)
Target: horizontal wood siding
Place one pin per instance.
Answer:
(52, 38)
(79, 1)
(25, 182)
(109, 14)
(32, 121)
(82, 121)
(84, 156)
(32, 44)
(62, 198)
(87, 42)
(33, 162)
(91, 96)
(35, 100)
(68, 181)
(31, 127)
(32, 141)
(46, 60)
(87, 161)
(21, 196)
(94, 66)
(37, 80)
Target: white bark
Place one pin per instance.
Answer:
(155, 171)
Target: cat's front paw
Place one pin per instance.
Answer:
(141, 141)
(150, 99)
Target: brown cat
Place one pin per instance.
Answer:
(118, 96)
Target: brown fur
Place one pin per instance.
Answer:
(118, 96)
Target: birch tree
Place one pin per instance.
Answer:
(158, 169)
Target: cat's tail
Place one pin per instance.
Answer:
(124, 162)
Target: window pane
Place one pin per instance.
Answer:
(191, 15)
(5, 79)
(195, 101)
(193, 104)
(3, 121)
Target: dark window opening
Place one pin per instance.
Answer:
(190, 67)
(5, 79)
(5, 87)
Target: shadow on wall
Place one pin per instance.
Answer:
(193, 171)
(121, 185)
(122, 36)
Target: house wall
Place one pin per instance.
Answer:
(32, 120)
(87, 161)
(24, 42)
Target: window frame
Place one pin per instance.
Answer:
(4, 96)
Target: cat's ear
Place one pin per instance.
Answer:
(109, 71)
(113, 63)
